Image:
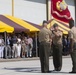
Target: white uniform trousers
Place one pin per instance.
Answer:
(1, 51)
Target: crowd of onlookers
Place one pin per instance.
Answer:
(17, 46)
(22, 46)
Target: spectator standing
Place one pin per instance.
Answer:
(30, 46)
(8, 46)
(1, 46)
(18, 46)
(27, 47)
(68, 45)
(65, 42)
(14, 47)
(23, 46)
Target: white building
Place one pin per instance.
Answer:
(32, 10)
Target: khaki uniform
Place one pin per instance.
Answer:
(72, 35)
(44, 48)
(57, 50)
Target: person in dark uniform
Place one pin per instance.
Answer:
(72, 36)
(44, 47)
(57, 47)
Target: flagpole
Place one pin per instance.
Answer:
(47, 10)
(75, 11)
(12, 7)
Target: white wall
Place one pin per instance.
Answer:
(5, 7)
(31, 10)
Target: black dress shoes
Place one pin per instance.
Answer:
(72, 72)
(57, 69)
(46, 71)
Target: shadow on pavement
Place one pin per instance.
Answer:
(30, 70)
(34, 70)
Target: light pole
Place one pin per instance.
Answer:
(47, 9)
(12, 7)
(75, 11)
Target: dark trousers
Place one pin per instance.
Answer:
(73, 57)
(44, 50)
(57, 56)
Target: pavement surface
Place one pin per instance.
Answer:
(32, 67)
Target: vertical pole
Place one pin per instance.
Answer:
(75, 10)
(12, 7)
(47, 10)
(36, 44)
(5, 36)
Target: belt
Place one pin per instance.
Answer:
(44, 41)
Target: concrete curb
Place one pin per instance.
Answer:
(25, 59)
